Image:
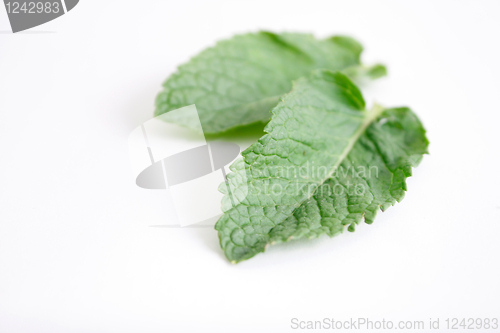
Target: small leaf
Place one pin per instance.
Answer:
(239, 81)
(325, 164)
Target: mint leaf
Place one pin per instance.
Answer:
(238, 81)
(361, 72)
(325, 163)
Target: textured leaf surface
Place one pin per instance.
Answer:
(241, 79)
(325, 164)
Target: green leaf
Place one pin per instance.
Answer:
(325, 164)
(239, 81)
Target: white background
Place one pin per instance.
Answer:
(77, 253)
